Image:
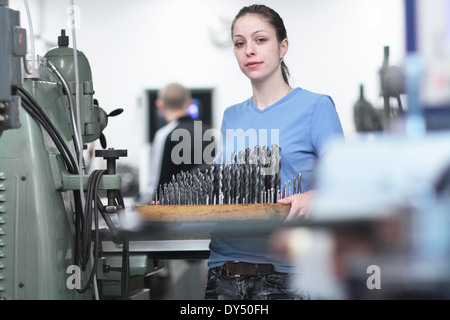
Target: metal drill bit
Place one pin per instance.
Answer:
(233, 158)
(205, 186)
(238, 183)
(211, 184)
(246, 181)
(227, 177)
(233, 182)
(272, 174)
(166, 194)
(264, 162)
(161, 195)
(278, 167)
(300, 183)
(257, 183)
(289, 190)
(247, 154)
(250, 182)
(225, 181)
(256, 151)
(220, 186)
(294, 184)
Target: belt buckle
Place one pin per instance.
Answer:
(227, 272)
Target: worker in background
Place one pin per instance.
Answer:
(178, 145)
(241, 266)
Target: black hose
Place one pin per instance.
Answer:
(125, 270)
(53, 135)
(40, 116)
(91, 211)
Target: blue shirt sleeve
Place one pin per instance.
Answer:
(325, 125)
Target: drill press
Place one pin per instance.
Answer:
(50, 241)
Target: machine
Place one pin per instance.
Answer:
(54, 214)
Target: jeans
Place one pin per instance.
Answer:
(276, 286)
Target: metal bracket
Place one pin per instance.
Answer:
(65, 181)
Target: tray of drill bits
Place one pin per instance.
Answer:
(246, 188)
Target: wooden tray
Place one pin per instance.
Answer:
(213, 213)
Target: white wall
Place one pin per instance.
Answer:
(335, 45)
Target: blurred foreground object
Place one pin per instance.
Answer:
(379, 227)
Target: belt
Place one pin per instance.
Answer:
(235, 269)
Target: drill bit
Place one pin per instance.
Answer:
(238, 183)
(233, 182)
(220, 184)
(250, 182)
(299, 183)
(227, 183)
(211, 184)
(252, 176)
(233, 158)
(289, 190)
(257, 182)
(246, 181)
(273, 174)
(294, 184)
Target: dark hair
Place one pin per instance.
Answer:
(275, 20)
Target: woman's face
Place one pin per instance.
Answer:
(256, 47)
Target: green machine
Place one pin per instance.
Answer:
(52, 216)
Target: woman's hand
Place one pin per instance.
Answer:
(300, 204)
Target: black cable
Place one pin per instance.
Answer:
(93, 206)
(32, 102)
(87, 225)
(107, 218)
(125, 276)
(41, 116)
(78, 224)
(125, 255)
(91, 211)
(51, 133)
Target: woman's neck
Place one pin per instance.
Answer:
(267, 93)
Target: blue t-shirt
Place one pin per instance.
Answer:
(301, 124)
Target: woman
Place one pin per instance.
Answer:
(300, 122)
